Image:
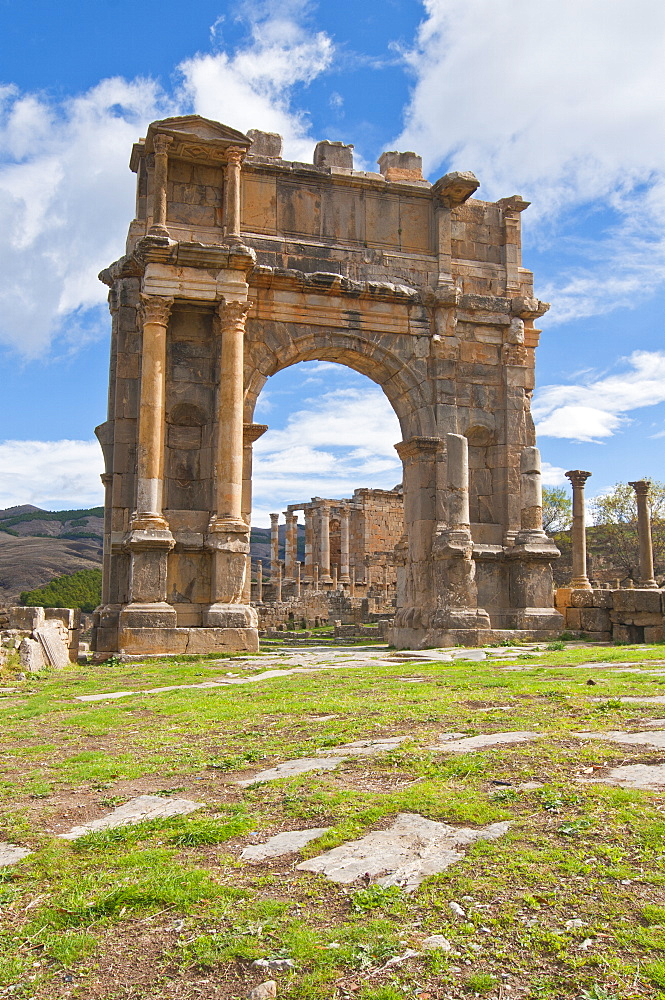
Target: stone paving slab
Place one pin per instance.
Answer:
(648, 776)
(653, 738)
(10, 854)
(282, 843)
(364, 748)
(290, 768)
(144, 807)
(404, 854)
(484, 740)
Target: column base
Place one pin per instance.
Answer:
(230, 616)
(157, 615)
(140, 642)
(462, 618)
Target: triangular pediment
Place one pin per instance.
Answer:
(201, 128)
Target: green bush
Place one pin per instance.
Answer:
(77, 590)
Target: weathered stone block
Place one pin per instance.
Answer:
(654, 633)
(333, 154)
(638, 600)
(573, 618)
(26, 619)
(581, 599)
(594, 620)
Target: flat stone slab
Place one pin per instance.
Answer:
(406, 853)
(362, 748)
(648, 776)
(10, 854)
(293, 767)
(282, 843)
(144, 807)
(481, 742)
(653, 738)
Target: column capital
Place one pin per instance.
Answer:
(161, 142)
(577, 478)
(641, 487)
(156, 309)
(233, 313)
(235, 155)
(274, 518)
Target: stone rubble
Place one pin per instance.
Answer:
(483, 741)
(287, 842)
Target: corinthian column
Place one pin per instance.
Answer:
(641, 488)
(161, 145)
(324, 541)
(290, 550)
(274, 548)
(580, 580)
(234, 158)
(228, 532)
(308, 578)
(150, 472)
(150, 539)
(344, 546)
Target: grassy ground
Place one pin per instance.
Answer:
(167, 910)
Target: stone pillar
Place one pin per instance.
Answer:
(641, 488)
(228, 532)
(511, 208)
(259, 581)
(344, 546)
(278, 588)
(161, 145)
(308, 578)
(107, 480)
(150, 539)
(530, 557)
(352, 587)
(579, 581)
(290, 549)
(324, 542)
(298, 579)
(334, 578)
(251, 434)
(316, 577)
(450, 191)
(385, 584)
(274, 548)
(457, 614)
(234, 158)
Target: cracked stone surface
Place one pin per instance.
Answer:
(282, 843)
(482, 741)
(649, 776)
(144, 807)
(653, 738)
(292, 767)
(404, 854)
(10, 854)
(362, 748)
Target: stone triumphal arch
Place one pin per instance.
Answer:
(240, 263)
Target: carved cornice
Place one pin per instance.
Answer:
(455, 188)
(155, 309)
(418, 447)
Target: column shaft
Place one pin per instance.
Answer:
(161, 145)
(344, 546)
(324, 527)
(259, 582)
(150, 459)
(580, 580)
(227, 470)
(458, 481)
(641, 488)
(234, 160)
(274, 548)
(290, 551)
(309, 548)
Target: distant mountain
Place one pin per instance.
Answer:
(38, 545)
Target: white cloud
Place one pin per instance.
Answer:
(334, 444)
(66, 192)
(558, 100)
(552, 475)
(598, 408)
(51, 474)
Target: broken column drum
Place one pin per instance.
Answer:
(240, 263)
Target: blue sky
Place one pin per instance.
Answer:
(562, 101)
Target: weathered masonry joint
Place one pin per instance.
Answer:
(240, 263)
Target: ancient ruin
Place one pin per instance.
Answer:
(240, 263)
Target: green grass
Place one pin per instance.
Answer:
(588, 852)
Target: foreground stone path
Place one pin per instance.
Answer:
(652, 738)
(282, 843)
(404, 854)
(451, 744)
(138, 810)
(649, 776)
(10, 854)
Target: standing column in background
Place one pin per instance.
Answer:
(308, 578)
(274, 548)
(297, 579)
(580, 580)
(234, 158)
(641, 488)
(290, 548)
(324, 527)
(259, 581)
(344, 546)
